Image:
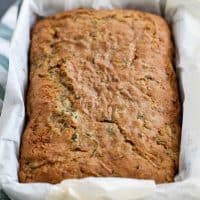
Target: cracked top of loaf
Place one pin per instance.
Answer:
(102, 98)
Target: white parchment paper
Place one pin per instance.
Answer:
(184, 16)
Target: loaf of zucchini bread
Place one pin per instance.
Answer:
(102, 98)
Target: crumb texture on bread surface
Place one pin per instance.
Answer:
(103, 98)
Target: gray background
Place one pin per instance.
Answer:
(4, 5)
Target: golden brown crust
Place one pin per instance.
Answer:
(102, 99)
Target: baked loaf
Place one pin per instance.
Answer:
(102, 99)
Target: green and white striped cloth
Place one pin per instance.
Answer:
(7, 26)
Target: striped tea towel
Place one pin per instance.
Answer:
(7, 26)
